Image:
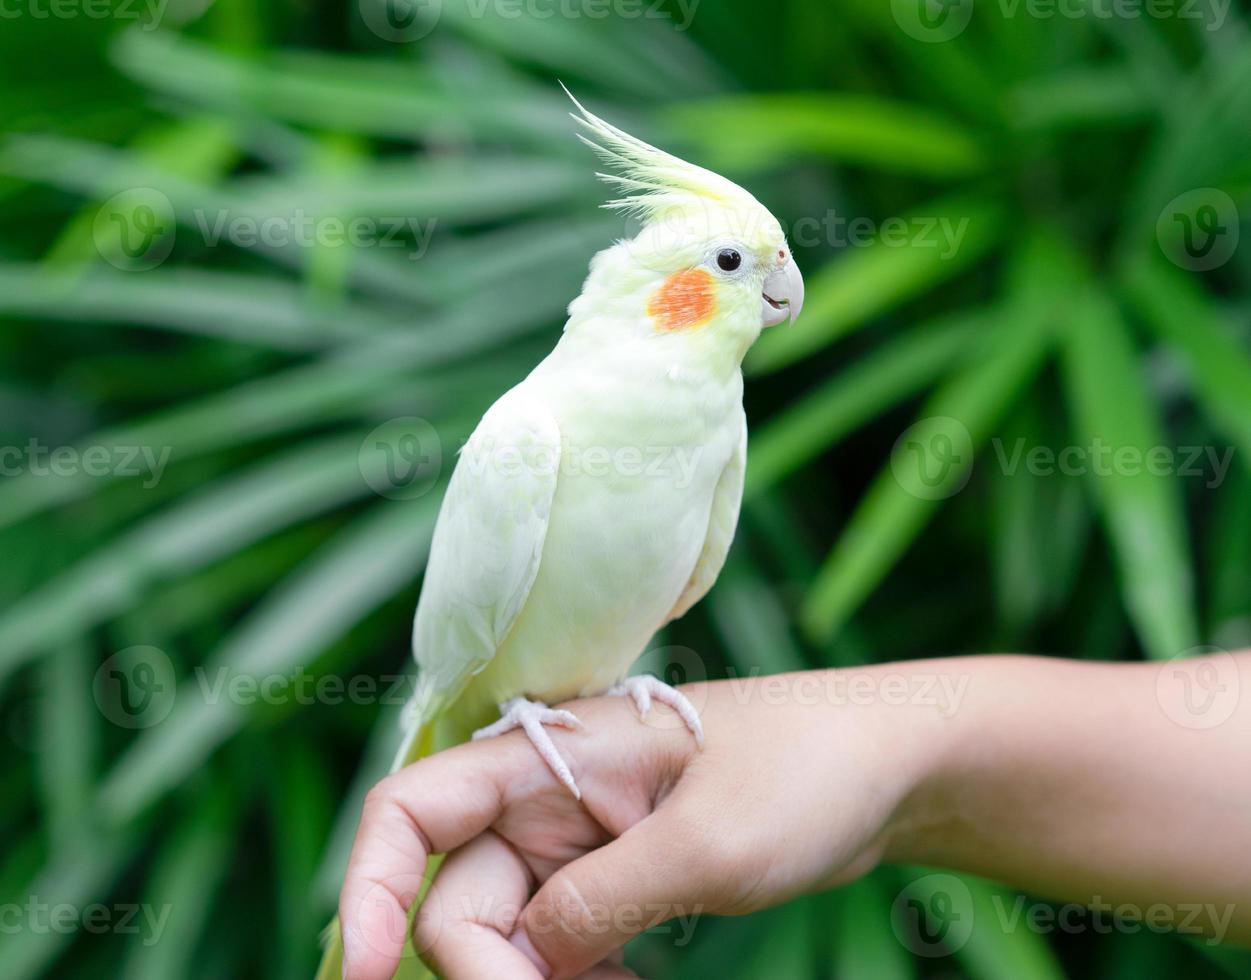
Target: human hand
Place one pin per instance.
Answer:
(790, 793)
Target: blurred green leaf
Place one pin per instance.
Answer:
(948, 237)
(300, 811)
(76, 879)
(183, 885)
(243, 308)
(1218, 364)
(1079, 97)
(371, 560)
(331, 91)
(844, 403)
(1207, 134)
(69, 740)
(652, 59)
(752, 623)
(890, 515)
(217, 521)
(788, 949)
(1040, 526)
(399, 192)
(864, 942)
(350, 384)
(1142, 511)
(1229, 565)
(890, 136)
(995, 947)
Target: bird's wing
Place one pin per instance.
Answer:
(487, 543)
(722, 520)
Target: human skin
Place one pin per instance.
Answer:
(1086, 782)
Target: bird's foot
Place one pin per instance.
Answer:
(530, 717)
(644, 689)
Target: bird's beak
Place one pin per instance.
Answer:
(783, 295)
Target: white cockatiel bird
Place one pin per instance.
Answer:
(596, 501)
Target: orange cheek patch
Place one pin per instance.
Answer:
(684, 300)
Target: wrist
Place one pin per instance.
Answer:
(937, 818)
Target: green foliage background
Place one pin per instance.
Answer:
(1060, 319)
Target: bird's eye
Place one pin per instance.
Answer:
(728, 259)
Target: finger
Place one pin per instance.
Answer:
(431, 807)
(594, 905)
(472, 908)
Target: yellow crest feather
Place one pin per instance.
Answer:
(656, 181)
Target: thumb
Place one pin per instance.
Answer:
(594, 905)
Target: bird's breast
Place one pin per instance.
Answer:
(628, 522)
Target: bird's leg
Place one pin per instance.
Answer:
(644, 689)
(530, 717)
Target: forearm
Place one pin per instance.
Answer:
(1090, 782)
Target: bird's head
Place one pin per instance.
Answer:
(708, 256)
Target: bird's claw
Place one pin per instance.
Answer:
(530, 717)
(644, 689)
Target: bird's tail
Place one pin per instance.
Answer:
(418, 743)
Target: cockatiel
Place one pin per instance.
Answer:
(597, 499)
